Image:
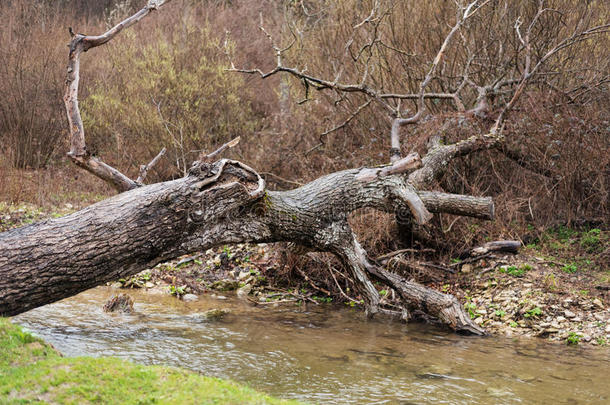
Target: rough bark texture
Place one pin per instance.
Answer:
(220, 203)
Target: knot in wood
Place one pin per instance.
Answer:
(202, 169)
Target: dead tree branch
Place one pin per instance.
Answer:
(78, 149)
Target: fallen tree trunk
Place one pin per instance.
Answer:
(220, 203)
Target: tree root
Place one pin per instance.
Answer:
(444, 307)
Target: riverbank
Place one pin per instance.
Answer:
(32, 370)
(557, 288)
(531, 294)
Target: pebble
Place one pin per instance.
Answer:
(189, 297)
(569, 314)
(598, 303)
(149, 284)
(467, 268)
(212, 314)
(243, 292)
(560, 319)
(608, 329)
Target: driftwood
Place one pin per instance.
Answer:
(507, 246)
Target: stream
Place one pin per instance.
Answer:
(324, 354)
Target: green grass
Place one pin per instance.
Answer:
(572, 250)
(516, 272)
(31, 371)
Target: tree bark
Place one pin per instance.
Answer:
(215, 204)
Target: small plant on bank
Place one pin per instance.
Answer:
(516, 271)
(513, 324)
(550, 281)
(471, 307)
(573, 338)
(591, 241)
(177, 291)
(227, 250)
(570, 268)
(533, 313)
(499, 313)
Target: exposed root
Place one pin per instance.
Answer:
(445, 307)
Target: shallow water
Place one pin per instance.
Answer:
(325, 355)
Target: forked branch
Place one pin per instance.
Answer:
(78, 148)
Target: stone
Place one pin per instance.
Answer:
(243, 275)
(225, 285)
(599, 317)
(607, 328)
(598, 303)
(560, 319)
(478, 321)
(214, 314)
(119, 303)
(555, 325)
(569, 314)
(149, 284)
(244, 291)
(116, 285)
(466, 268)
(189, 298)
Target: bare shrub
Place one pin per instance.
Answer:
(161, 88)
(31, 112)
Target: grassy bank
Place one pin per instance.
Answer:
(31, 371)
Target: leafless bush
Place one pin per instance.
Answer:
(31, 117)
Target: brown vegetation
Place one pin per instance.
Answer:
(554, 168)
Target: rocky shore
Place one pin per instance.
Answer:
(512, 295)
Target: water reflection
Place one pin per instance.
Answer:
(325, 355)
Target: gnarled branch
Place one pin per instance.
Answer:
(78, 149)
